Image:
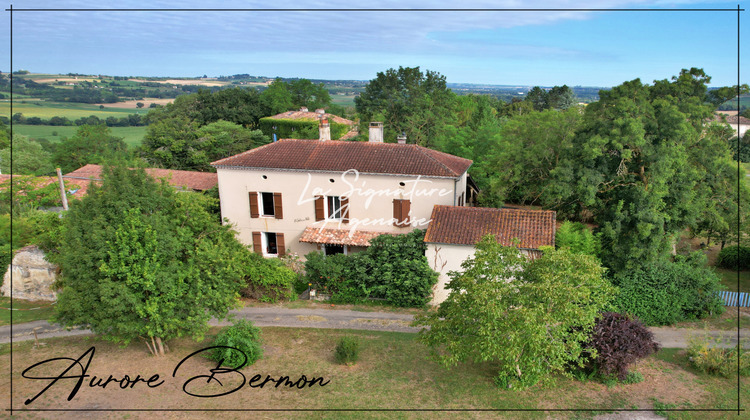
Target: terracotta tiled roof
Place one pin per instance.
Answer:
(467, 225)
(339, 236)
(340, 156)
(193, 180)
(731, 119)
(76, 188)
(309, 115)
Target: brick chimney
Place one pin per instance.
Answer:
(401, 139)
(320, 111)
(376, 132)
(325, 130)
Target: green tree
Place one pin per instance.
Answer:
(306, 93)
(90, 144)
(141, 261)
(407, 101)
(726, 93)
(178, 143)
(529, 148)
(637, 165)
(277, 98)
(238, 105)
(560, 97)
(29, 158)
(538, 98)
(529, 318)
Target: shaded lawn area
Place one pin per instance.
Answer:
(393, 372)
(729, 279)
(26, 311)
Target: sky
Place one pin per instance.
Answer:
(544, 48)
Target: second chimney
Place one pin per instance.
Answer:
(376, 132)
(401, 139)
(325, 130)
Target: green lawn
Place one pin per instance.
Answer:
(393, 372)
(133, 136)
(729, 279)
(25, 311)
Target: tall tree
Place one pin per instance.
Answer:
(638, 164)
(29, 158)
(530, 146)
(141, 261)
(277, 97)
(407, 101)
(90, 144)
(178, 143)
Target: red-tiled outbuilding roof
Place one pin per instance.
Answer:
(339, 236)
(340, 156)
(467, 225)
(309, 115)
(193, 180)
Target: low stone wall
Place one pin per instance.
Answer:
(33, 276)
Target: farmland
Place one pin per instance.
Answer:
(131, 135)
(46, 110)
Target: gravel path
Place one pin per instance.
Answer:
(339, 319)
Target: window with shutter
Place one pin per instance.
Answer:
(345, 209)
(278, 209)
(280, 245)
(401, 210)
(254, 211)
(257, 243)
(319, 208)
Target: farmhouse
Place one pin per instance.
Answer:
(306, 195)
(454, 231)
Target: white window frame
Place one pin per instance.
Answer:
(264, 244)
(328, 210)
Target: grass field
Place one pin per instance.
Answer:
(25, 311)
(72, 111)
(393, 372)
(133, 136)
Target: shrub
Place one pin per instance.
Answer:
(619, 341)
(734, 256)
(347, 351)
(243, 336)
(668, 292)
(344, 277)
(400, 272)
(393, 268)
(707, 355)
(267, 279)
(578, 238)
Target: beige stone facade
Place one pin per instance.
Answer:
(368, 202)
